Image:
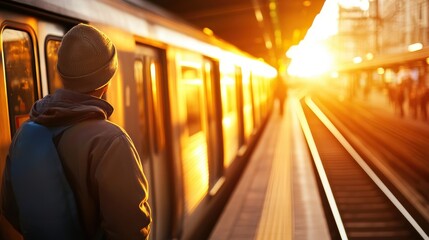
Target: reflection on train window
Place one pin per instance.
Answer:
(228, 88)
(194, 147)
(54, 80)
(256, 100)
(20, 75)
(230, 127)
(247, 105)
(138, 75)
(155, 76)
(193, 86)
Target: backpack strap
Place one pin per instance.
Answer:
(46, 202)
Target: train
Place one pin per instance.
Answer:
(193, 104)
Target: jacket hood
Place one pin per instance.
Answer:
(68, 107)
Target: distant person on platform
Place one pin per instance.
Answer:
(99, 158)
(281, 93)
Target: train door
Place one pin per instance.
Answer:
(20, 66)
(192, 109)
(248, 121)
(52, 44)
(240, 119)
(148, 69)
(255, 82)
(214, 126)
(230, 126)
(20, 85)
(23, 67)
(22, 74)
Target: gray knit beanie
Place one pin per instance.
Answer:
(86, 59)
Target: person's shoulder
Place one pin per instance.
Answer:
(99, 127)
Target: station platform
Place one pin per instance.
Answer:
(277, 196)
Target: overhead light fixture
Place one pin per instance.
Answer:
(259, 15)
(369, 56)
(357, 60)
(306, 3)
(208, 31)
(268, 44)
(415, 47)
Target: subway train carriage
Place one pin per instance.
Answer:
(193, 104)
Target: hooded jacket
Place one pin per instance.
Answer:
(101, 164)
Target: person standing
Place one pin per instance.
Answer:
(281, 94)
(99, 158)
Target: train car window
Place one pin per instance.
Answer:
(263, 94)
(256, 100)
(147, 76)
(230, 113)
(230, 95)
(193, 87)
(214, 134)
(154, 72)
(19, 63)
(138, 75)
(192, 109)
(247, 105)
(54, 80)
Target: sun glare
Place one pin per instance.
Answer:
(362, 4)
(311, 58)
(310, 61)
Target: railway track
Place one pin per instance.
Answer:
(360, 204)
(396, 149)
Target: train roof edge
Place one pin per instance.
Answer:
(75, 11)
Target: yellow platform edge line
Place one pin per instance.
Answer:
(276, 220)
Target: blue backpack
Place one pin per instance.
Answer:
(46, 203)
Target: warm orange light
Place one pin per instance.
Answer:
(306, 3)
(291, 51)
(268, 44)
(196, 178)
(415, 47)
(309, 60)
(259, 15)
(208, 31)
(357, 60)
(362, 4)
(380, 70)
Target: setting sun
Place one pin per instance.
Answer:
(311, 57)
(309, 60)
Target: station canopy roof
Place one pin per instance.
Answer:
(263, 28)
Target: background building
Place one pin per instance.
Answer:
(380, 27)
